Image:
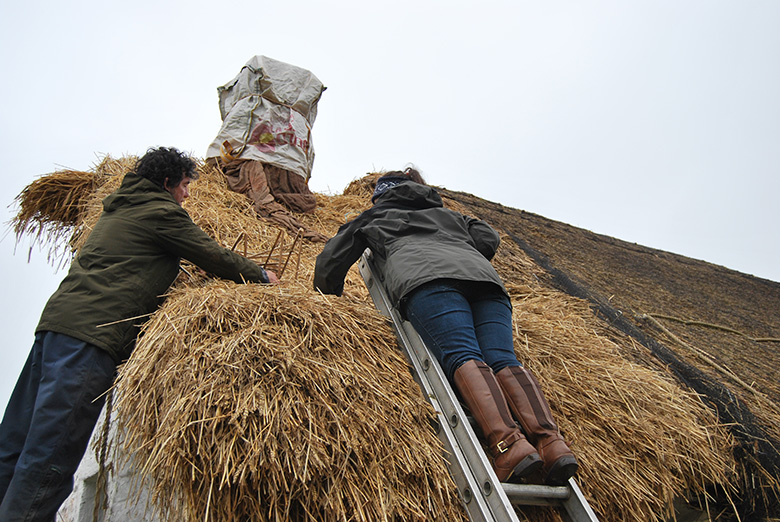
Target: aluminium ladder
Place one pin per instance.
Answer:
(484, 497)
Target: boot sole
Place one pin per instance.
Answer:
(528, 466)
(561, 471)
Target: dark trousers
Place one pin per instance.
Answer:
(48, 423)
(463, 320)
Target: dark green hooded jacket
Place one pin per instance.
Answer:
(128, 262)
(414, 240)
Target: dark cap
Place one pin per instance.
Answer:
(387, 182)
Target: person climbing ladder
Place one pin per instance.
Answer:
(436, 267)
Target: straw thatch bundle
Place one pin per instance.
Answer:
(58, 209)
(40, 206)
(44, 216)
(276, 403)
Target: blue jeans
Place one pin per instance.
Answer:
(47, 424)
(461, 320)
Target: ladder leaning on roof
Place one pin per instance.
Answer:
(484, 497)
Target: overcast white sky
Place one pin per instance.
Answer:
(656, 122)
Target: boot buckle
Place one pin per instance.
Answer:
(503, 446)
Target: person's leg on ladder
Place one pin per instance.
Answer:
(442, 316)
(493, 324)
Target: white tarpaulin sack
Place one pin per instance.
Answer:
(267, 114)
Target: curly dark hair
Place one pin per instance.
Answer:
(166, 163)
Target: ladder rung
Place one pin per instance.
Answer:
(535, 495)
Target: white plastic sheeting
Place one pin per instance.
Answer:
(268, 111)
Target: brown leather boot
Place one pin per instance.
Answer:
(527, 402)
(512, 454)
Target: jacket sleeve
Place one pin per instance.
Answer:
(339, 254)
(183, 238)
(486, 239)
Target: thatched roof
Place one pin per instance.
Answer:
(278, 403)
(715, 330)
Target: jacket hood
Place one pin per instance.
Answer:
(135, 190)
(410, 195)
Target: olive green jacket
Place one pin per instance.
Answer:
(128, 262)
(414, 240)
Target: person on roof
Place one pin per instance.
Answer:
(435, 264)
(91, 322)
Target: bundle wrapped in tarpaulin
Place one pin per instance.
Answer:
(264, 146)
(267, 113)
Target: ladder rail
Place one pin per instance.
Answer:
(576, 506)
